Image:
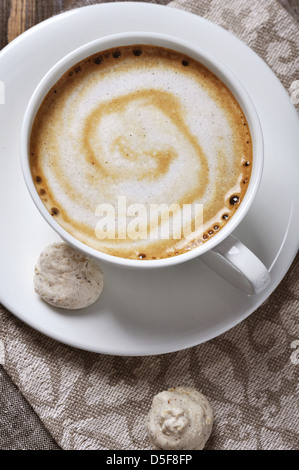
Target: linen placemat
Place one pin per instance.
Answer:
(249, 374)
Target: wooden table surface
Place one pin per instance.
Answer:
(18, 15)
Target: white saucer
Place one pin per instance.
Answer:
(176, 307)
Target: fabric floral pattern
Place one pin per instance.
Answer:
(91, 401)
(264, 26)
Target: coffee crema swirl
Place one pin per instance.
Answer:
(147, 123)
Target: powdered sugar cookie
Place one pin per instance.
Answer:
(180, 418)
(66, 278)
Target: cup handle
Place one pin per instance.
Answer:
(234, 262)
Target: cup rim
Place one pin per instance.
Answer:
(179, 45)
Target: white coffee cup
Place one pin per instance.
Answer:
(223, 252)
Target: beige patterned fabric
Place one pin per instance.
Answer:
(264, 26)
(249, 374)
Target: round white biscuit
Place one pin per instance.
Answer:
(66, 278)
(180, 418)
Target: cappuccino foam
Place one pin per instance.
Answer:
(146, 123)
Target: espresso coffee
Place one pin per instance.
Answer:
(143, 127)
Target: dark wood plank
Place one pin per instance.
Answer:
(16, 16)
(44, 10)
(4, 15)
(22, 12)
